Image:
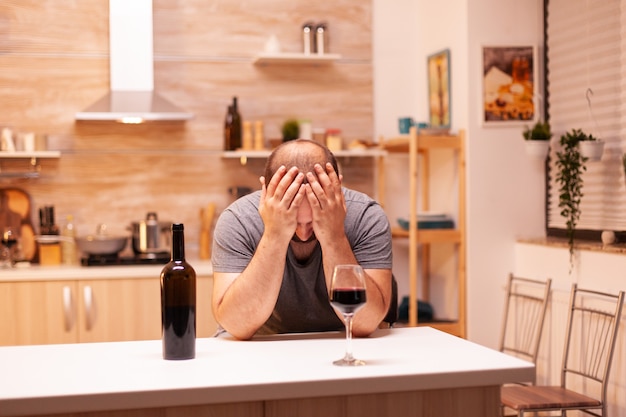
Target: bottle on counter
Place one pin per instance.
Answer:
(178, 302)
(68, 244)
(232, 127)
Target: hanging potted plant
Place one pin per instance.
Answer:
(571, 165)
(537, 139)
(591, 147)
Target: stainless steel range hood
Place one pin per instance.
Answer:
(132, 98)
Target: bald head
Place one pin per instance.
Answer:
(301, 153)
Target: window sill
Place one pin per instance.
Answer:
(555, 242)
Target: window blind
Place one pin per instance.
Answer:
(586, 83)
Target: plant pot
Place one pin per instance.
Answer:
(591, 149)
(537, 148)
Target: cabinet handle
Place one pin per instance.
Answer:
(90, 311)
(68, 309)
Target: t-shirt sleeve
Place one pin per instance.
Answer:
(371, 242)
(233, 245)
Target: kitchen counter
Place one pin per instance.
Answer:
(61, 272)
(409, 371)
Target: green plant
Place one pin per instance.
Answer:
(290, 130)
(571, 165)
(540, 131)
(588, 138)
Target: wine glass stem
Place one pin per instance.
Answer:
(348, 320)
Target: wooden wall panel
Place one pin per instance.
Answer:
(51, 27)
(54, 62)
(240, 29)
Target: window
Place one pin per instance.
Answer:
(586, 89)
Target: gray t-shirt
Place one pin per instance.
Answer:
(302, 304)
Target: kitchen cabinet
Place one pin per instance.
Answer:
(37, 312)
(98, 310)
(421, 181)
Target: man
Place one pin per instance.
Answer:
(274, 250)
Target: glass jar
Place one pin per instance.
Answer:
(333, 139)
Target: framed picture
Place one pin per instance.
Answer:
(509, 85)
(439, 89)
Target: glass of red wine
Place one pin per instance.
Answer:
(347, 295)
(9, 240)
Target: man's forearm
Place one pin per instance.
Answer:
(250, 299)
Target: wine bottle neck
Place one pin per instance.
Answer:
(178, 245)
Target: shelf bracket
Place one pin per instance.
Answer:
(33, 173)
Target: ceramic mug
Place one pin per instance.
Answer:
(404, 124)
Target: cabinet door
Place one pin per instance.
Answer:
(119, 309)
(130, 309)
(38, 312)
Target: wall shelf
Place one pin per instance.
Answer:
(295, 58)
(27, 155)
(243, 156)
(344, 153)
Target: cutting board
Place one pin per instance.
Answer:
(16, 210)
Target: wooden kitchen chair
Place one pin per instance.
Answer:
(524, 314)
(592, 327)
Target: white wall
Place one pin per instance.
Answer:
(505, 188)
(402, 43)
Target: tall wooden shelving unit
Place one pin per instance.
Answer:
(418, 146)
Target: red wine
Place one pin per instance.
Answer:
(348, 300)
(179, 329)
(178, 302)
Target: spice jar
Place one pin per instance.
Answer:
(308, 37)
(333, 139)
(321, 38)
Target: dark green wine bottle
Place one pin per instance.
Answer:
(178, 302)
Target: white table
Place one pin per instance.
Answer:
(409, 372)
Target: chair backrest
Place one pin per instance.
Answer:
(590, 338)
(524, 315)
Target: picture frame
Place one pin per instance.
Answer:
(509, 85)
(439, 102)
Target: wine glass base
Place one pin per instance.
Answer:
(349, 362)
